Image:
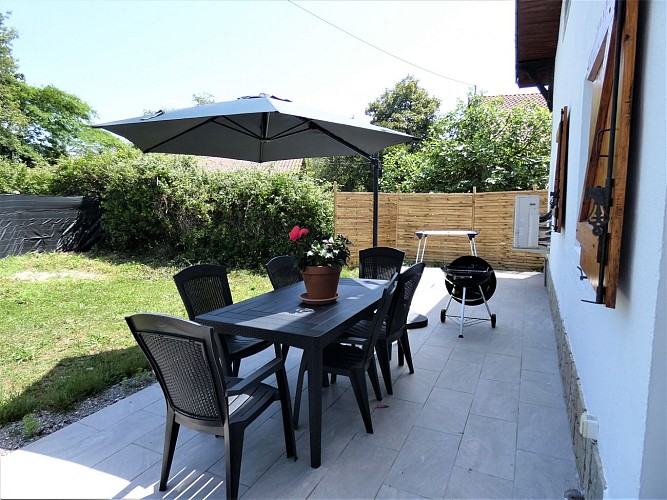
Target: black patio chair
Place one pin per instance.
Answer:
(394, 328)
(380, 263)
(283, 271)
(186, 359)
(377, 262)
(354, 360)
(204, 288)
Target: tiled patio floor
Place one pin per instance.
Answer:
(481, 417)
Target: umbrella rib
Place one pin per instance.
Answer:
(340, 140)
(288, 132)
(265, 129)
(155, 146)
(239, 128)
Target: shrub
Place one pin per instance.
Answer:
(254, 211)
(147, 203)
(167, 205)
(91, 174)
(16, 177)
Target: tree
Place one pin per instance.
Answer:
(203, 98)
(350, 173)
(12, 120)
(42, 125)
(480, 144)
(400, 168)
(406, 108)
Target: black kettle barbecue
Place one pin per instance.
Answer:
(470, 281)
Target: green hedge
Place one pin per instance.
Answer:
(19, 178)
(166, 205)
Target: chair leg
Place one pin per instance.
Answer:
(286, 409)
(170, 438)
(358, 379)
(299, 390)
(236, 366)
(233, 455)
(375, 382)
(401, 356)
(382, 350)
(404, 341)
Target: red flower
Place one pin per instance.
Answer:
(297, 233)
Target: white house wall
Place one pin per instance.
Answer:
(613, 349)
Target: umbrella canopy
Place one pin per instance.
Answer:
(258, 128)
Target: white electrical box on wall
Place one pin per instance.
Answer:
(526, 221)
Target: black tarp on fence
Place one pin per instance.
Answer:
(47, 223)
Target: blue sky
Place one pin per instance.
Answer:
(124, 57)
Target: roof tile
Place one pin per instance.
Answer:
(230, 165)
(513, 100)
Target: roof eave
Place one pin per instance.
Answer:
(537, 25)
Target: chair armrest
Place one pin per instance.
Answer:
(256, 377)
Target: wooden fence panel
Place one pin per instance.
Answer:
(353, 217)
(495, 222)
(419, 211)
(494, 219)
(401, 214)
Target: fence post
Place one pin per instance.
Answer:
(335, 202)
(398, 211)
(474, 192)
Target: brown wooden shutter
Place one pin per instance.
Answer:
(560, 179)
(601, 215)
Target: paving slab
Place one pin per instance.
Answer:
(482, 417)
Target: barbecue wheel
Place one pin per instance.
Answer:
(443, 315)
(493, 321)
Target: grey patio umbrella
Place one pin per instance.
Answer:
(259, 129)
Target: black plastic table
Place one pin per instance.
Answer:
(280, 317)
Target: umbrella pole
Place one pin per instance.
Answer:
(375, 162)
(377, 173)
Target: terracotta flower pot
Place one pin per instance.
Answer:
(321, 281)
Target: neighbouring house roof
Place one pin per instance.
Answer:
(513, 100)
(537, 25)
(229, 165)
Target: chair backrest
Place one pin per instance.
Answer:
(408, 281)
(203, 288)
(380, 314)
(380, 262)
(183, 356)
(283, 271)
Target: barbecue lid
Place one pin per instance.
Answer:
(471, 272)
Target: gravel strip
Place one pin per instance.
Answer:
(13, 436)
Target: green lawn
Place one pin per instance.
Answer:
(63, 336)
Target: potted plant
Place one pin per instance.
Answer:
(321, 263)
